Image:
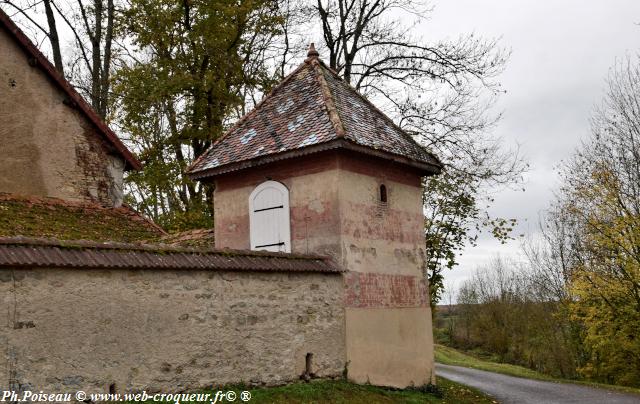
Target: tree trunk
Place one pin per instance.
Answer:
(53, 37)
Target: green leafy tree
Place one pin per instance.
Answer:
(187, 76)
(453, 219)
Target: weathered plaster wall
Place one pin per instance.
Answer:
(64, 330)
(380, 237)
(390, 346)
(388, 318)
(47, 147)
(313, 201)
(335, 210)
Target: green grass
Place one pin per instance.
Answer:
(341, 392)
(450, 356)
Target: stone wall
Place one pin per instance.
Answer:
(49, 148)
(69, 329)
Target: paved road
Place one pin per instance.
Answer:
(509, 389)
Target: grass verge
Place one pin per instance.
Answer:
(451, 356)
(341, 392)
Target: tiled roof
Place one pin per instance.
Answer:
(74, 99)
(312, 109)
(49, 253)
(191, 238)
(61, 219)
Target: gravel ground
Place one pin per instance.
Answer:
(509, 389)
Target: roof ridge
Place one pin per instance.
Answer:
(75, 98)
(378, 111)
(246, 116)
(144, 218)
(327, 96)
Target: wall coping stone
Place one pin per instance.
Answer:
(53, 253)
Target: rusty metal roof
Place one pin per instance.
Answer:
(52, 253)
(311, 110)
(74, 99)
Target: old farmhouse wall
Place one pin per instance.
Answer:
(166, 330)
(48, 147)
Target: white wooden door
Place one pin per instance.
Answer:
(269, 217)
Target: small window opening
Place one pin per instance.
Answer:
(112, 388)
(383, 193)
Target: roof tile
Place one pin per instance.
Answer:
(63, 219)
(51, 253)
(312, 106)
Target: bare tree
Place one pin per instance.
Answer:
(433, 90)
(53, 36)
(51, 32)
(98, 25)
(552, 255)
(441, 93)
(267, 57)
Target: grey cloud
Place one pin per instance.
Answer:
(561, 55)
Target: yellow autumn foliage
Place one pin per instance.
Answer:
(606, 284)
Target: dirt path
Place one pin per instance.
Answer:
(509, 389)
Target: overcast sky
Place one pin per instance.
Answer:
(562, 51)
